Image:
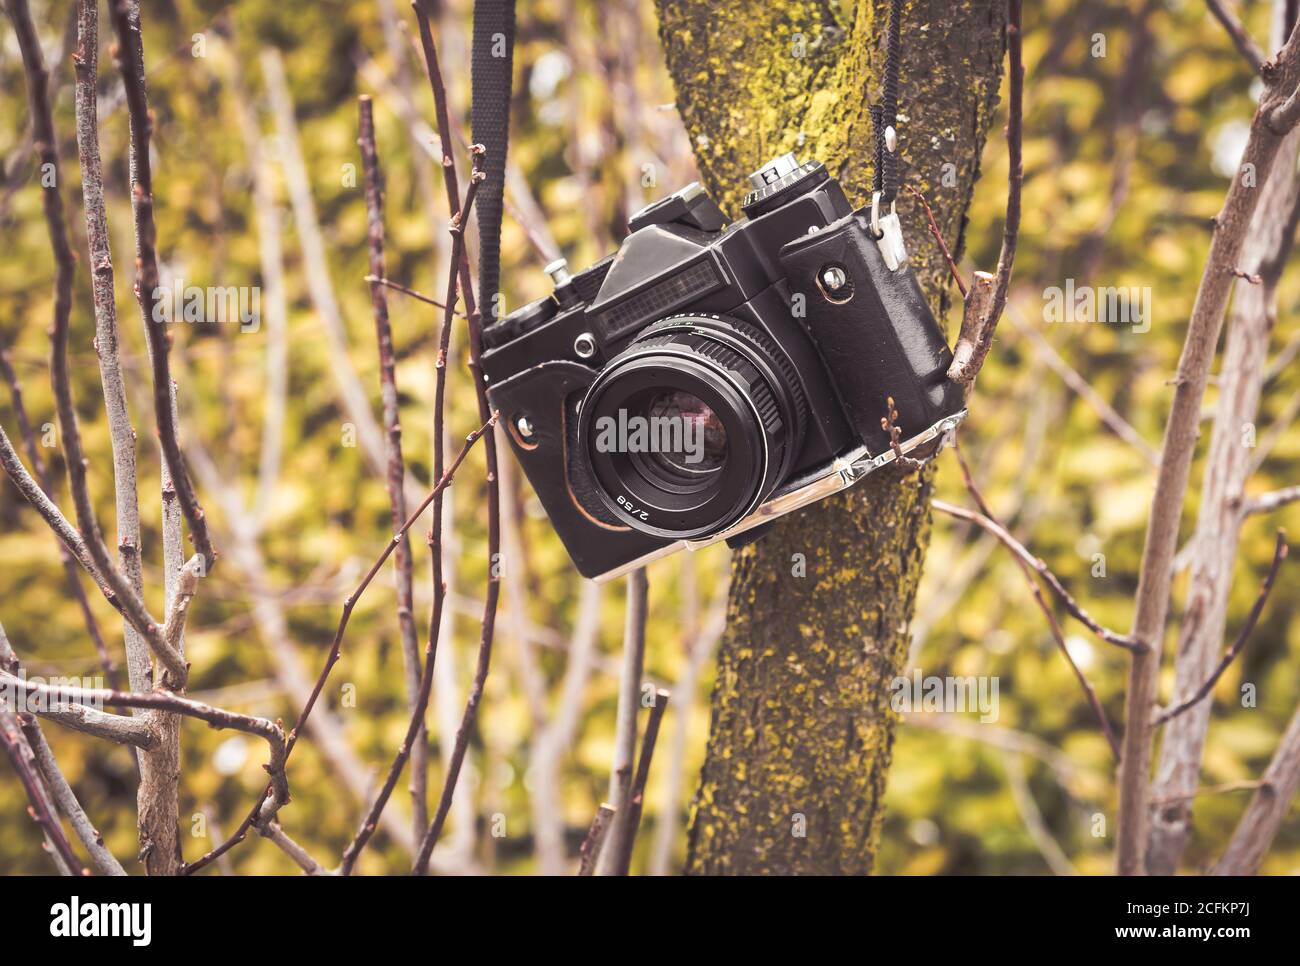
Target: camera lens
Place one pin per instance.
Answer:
(692, 425)
(700, 449)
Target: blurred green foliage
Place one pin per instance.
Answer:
(595, 137)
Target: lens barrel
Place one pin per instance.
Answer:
(692, 425)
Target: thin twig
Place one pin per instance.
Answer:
(273, 832)
(126, 20)
(487, 626)
(1241, 38)
(418, 296)
(40, 809)
(973, 345)
(336, 646)
(1083, 389)
(636, 799)
(1048, 847)
(353, 396)
(938, 237)
(269, 219)
(117, 593)
(50, 513)
(395, 477)
(1280, 551)
(556, 737)
(1224, 789)
(988, 521)
(70, 575)
(625, 727)
(161, 700)
(420, 701)
(187, 583)
(971, 516)
(1268, 502)
(61, 792)
(889, 423)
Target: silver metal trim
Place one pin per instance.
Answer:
(559, 272)
(888, 232)
(765, 190)
(839, 474)
(774, 171)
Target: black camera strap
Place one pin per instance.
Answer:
(492, 68)
(492, 64)
(884, 114)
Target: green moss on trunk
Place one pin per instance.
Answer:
(800, 742)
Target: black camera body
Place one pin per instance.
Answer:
(710, 377)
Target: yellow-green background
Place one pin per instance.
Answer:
(1071, 488)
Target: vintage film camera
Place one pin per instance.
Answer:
(709, 377)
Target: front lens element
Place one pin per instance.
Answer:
(687, 436)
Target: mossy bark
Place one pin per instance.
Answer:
(801, 736)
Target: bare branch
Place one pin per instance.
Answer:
(986, 520)
(1268, 502)
(187, 584)
(120, 729)
(595, 840)
(123, 595)
(460, 264)
(396, 474)
(700, 645)
(975, 309)
(273, 832)
(1241, 38)
(1084, 390)
(420, 698)
(625, 727)
(553, 740)
(1279, 554)
(55, 783)
(988, 524)
(1267, 809)
(636, 798)
(61, 792)
(398, 287)
(1224, 789)
(269, 218)
(126, 20)
(121, 433)
(1063, 768)
(1030, 814)
(43, 130)
(40, 809)
(70, 575)
(974, 346)
(255, 815)
(218, 718)
(1181, 433)
(1211, 550)
(54, 518)
(939, 240)
(352, 393)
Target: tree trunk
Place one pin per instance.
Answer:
(801, 735)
